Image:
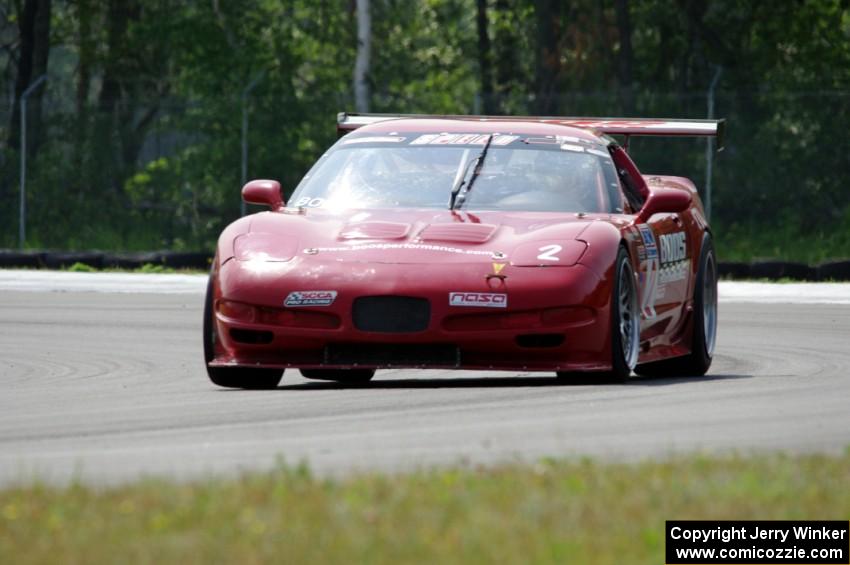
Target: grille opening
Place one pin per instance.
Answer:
(540, 340)
(391, 314)
(388, 354)
(254, 337)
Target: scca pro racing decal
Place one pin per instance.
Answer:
(310, 298)
(485, 299)
(650, 287)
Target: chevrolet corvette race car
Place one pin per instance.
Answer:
(468, 242)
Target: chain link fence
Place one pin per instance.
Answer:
(166, 174)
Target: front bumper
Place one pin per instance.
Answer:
(555, 318)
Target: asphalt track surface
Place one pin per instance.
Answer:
(107, 387)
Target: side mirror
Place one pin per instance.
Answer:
(263, 192)
(664, 201)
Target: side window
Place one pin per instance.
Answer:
(613, 187)
(629, 177)
(633, 197)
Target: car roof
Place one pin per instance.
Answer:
(431, 125)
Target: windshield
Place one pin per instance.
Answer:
(551, 174)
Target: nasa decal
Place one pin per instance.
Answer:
(485, 299)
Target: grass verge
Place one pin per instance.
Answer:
(554, 511)
(785, 242)
(147, 268)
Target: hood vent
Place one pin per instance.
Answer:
(458, 233)
(374, 230)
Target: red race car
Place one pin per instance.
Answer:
(468, 242)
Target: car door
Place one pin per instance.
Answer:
(663, 263)
(673, 264)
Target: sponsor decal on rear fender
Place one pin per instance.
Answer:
(310, 298)
(485, 299)
(673, 247)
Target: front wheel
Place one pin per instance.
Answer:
(625, 327)
(232, 377)
(348, 376)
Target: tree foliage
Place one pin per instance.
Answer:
(138, 127)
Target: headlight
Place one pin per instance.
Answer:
(554, 253)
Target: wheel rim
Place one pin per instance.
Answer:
(709, 303)
(628, 322)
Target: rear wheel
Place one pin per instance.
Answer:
(704, 335)
(348, 376)
(232, 377)
(625, 327)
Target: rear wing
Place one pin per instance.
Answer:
(610, 126)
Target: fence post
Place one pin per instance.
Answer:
(22, 210)
(709, 147)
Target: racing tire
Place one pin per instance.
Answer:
(347, 376)
(625, 328)
(248, 378)
(704, 335)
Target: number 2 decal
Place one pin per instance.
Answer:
(547, 252)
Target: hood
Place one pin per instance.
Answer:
(414, 236)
